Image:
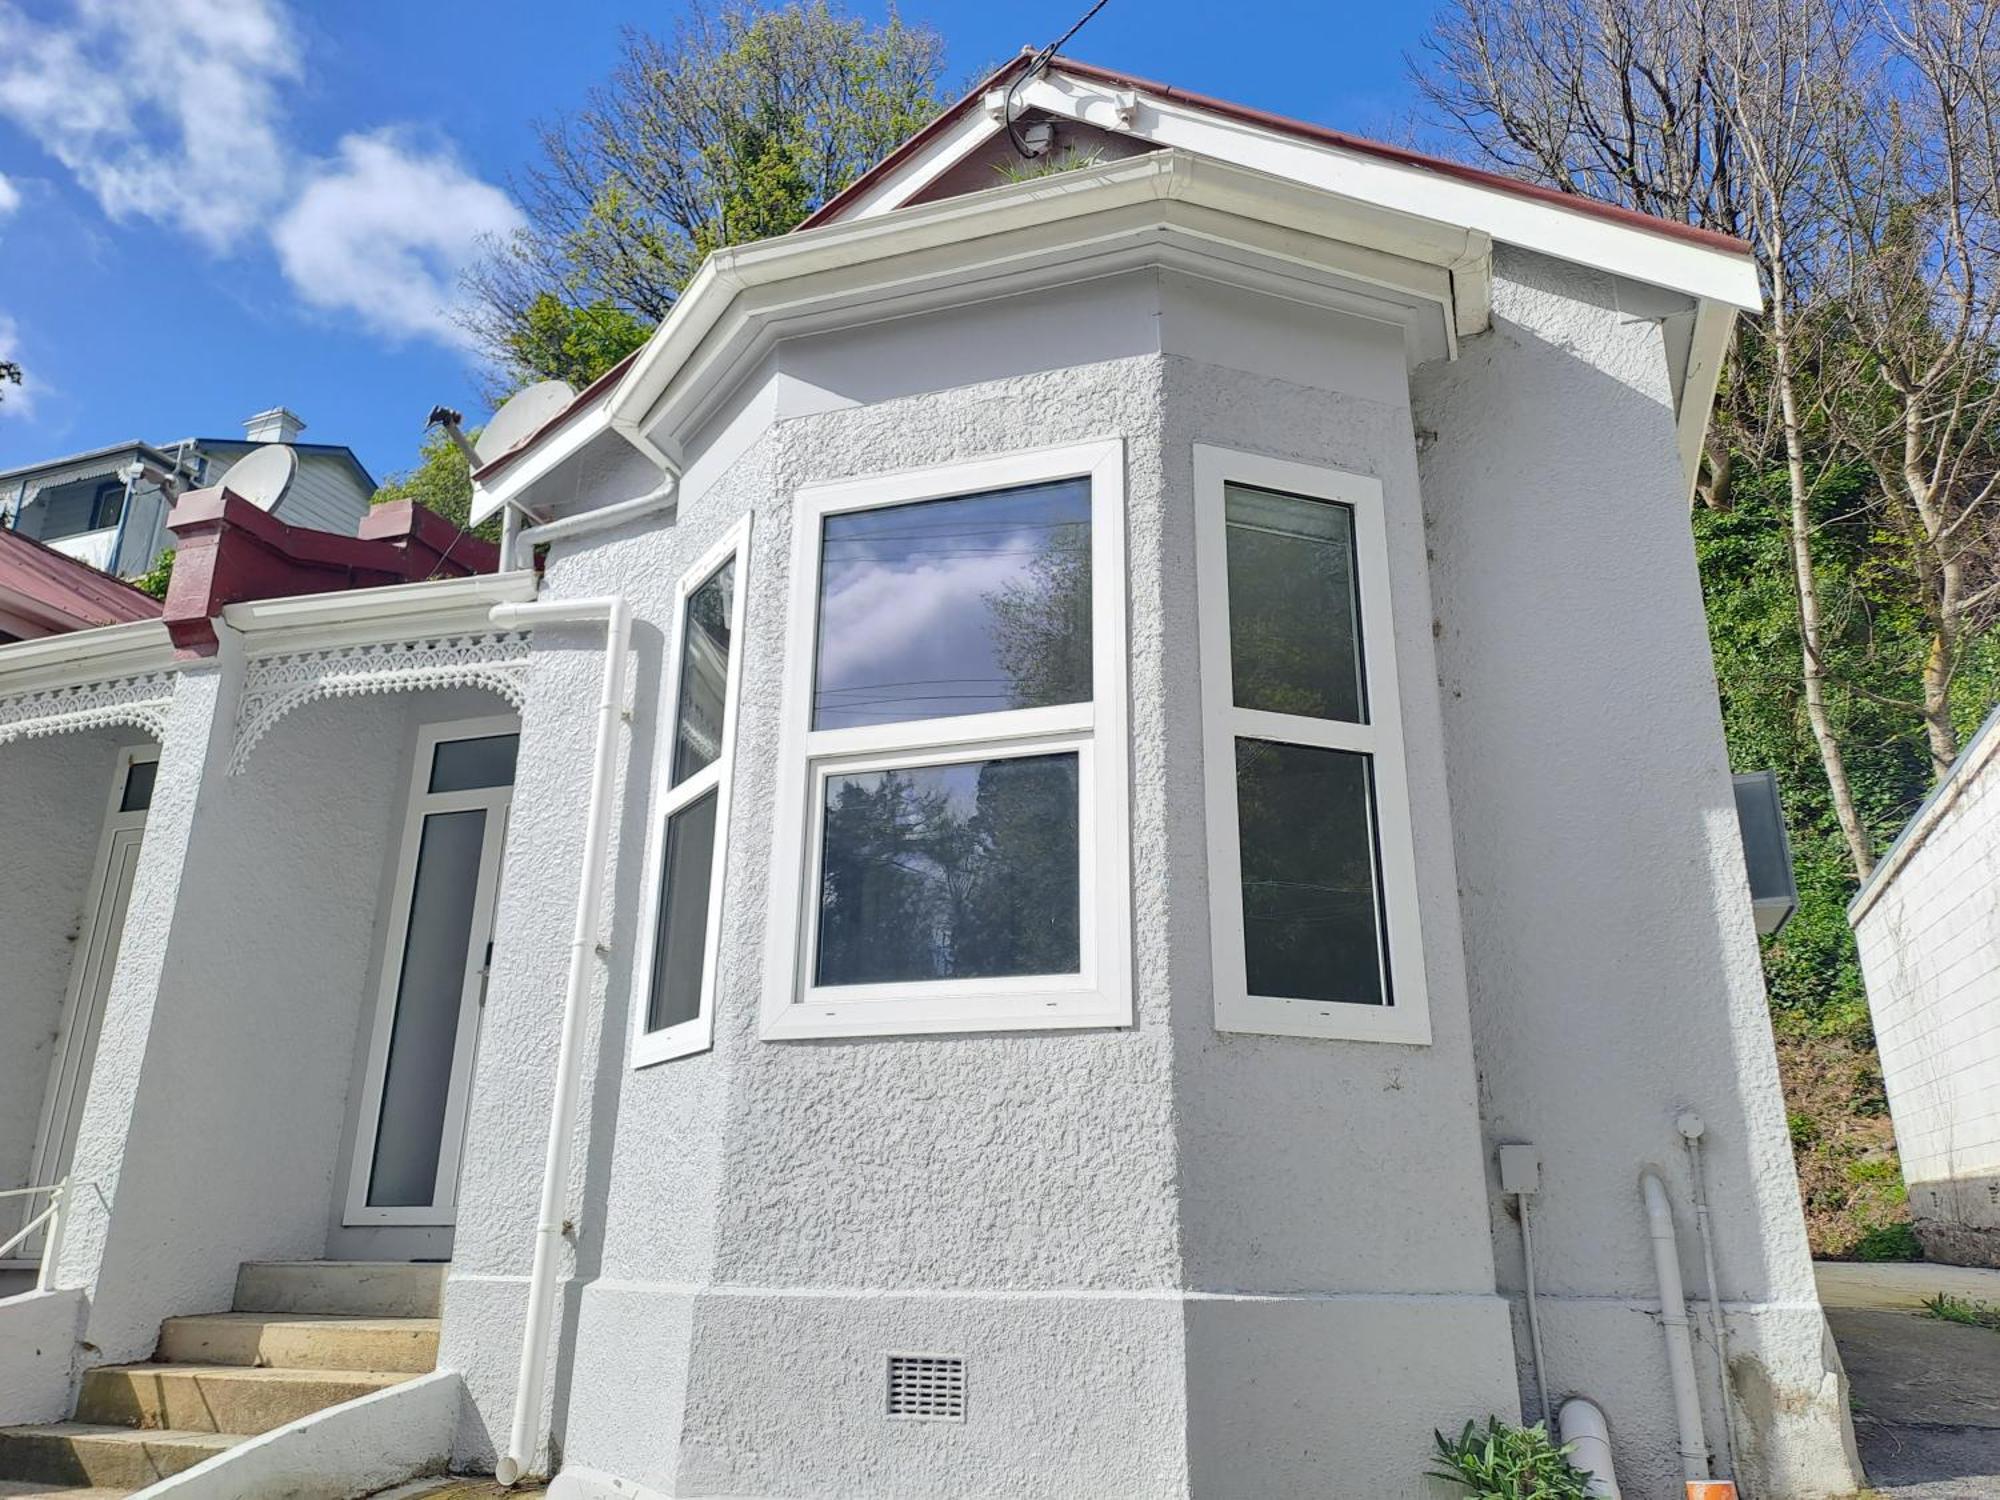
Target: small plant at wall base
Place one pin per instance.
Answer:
(1505, 1462)
(1973, 1314)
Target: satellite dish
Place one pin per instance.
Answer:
(262, 475)
(524, 413)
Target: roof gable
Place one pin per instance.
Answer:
(1660, 251)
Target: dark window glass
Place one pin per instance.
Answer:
(680, 936)
(467, 765)
(107, 505)
(1294, 614)
(138, 793)
(1312, 926)
(964, 871)
(423, 1039)
(960, 606)
(704, 674)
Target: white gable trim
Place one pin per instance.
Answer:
(1704, 271)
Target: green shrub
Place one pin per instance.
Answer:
(1509, 1463)
(1966, 1310)
(1896, 1241)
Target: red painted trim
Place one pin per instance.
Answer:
(55, 594)
(1458, 171)
(228, 551)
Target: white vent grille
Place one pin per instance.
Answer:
(927, 1387)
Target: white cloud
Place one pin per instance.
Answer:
(384, 229)
(15, 400)
(174, 111)
(10, 196)
(163, 109)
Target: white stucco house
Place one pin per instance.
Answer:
(1081, 754)
(1927, 924)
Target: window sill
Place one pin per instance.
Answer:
(1258, 1015)
(684, 1040)
(809, 1020)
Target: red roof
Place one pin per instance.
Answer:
(1458, 171)
(45, 587)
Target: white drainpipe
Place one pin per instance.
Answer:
(521, 552)
(1588, 1438)
(616, 615)
(1674, 1322)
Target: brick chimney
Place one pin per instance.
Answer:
(278, 425)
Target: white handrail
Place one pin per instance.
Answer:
(54, 1216)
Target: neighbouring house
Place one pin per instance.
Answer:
(1927, 924)
(110, 507)
(1082, 753)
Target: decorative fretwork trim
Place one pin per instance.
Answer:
(136, 702)
(273, 686)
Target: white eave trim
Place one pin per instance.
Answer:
(396, 612)
(82, 656)
(1701, 271)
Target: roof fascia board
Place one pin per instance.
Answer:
(972, 129)
(1578, 236)
(353, 617)
(871, 261)
(83, 656)
(538, 461)
(1933, 810)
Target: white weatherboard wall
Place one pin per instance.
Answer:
(1614, 971)
(1928, 928)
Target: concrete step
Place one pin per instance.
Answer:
(218, 1398)
(80, 1454)
(301, 1341)
(353, 1288)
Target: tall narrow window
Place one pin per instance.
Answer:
(1312, 882)
(951, 849)
(674, 1008)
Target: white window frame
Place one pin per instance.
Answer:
(420, 803)
(1100, 993)
(697, 1034)
(1407, 1017)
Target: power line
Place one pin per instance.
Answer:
(1035, 65)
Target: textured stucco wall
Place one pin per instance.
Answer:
(1613, 969)
(38, 1355)
(1078, 1213)
(235, 1078)
(1930, 952)
(52, 800)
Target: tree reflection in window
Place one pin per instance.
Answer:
(961, 871)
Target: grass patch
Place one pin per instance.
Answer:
(1966, 1310)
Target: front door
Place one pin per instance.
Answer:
(411, 1123)
(103, 924)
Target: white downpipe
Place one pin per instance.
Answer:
(1583, 1430)
(617, 617)
(1674, 1323)
(1690, 1127)
(616, 514)
(1534, 1313)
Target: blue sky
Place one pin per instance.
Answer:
(208, 207)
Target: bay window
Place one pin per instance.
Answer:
(1312, 881)
(952, 849)
(674, 1002)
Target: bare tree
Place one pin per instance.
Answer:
(1720, 113)
(1917, 204)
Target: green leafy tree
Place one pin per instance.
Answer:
(10, 374)
(440, 481)
(736, 127)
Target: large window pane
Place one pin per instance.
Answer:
(138, 793)
(963, 871)
(423, 1038)
(704, 674)
(958, 606)
(681, 937)
(1312, 927)
(467, 765)
(1294, 622)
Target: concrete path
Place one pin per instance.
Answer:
(1926, 1392)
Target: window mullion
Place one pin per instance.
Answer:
(692, 789)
